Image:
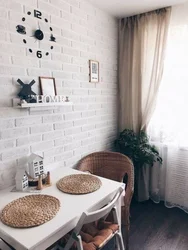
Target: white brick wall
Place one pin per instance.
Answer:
(65, 134)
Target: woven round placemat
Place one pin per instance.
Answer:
(79, 184)
(30, 211)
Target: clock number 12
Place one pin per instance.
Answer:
(39, 54)
(37, 14)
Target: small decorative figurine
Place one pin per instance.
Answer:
(36, 166)
(67, 99)
(52, 38)
(26, 92)
(48, 181)
(21, 180)
(39, 187)
(20, 29)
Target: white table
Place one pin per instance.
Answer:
(72, 207)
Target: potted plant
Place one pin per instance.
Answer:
(139, 150)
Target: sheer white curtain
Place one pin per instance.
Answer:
(168, 128)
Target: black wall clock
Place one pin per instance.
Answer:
(37, 34)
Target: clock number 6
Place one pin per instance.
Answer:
(37, 14)
(39, 54)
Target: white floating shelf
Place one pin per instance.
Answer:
(17, 104)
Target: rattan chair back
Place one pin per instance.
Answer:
(114, 166)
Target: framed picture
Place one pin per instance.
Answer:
(93, 71)
(47, 85)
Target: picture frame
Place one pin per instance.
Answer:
(47, 86)
(93, 71)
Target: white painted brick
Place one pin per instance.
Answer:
(61, 57)
(40, 112)
(5, 124)
(3, 13)
(80, 77)
(63, 125)
(28, 62)
(80, 92)
(88, 99)
(6, 144)
(80, 136)
(80, 122)
(28, 121)
(10, 112)
(62, 75)
(14, 133)
(70, 68)
(41, 146)
(41, 128)
(80, 107)
(38, 72)
(32, 3)
(79, 12)
(72, 131)
(88, 127)
(54, 151)
(88, 141)
(70, 34)
(52, 118)
(12, 50)
(63, 140)
(72, 146)
(73, 2)
(11, 4)
(71, 162)
(70, 51)
(4, 36)
(64, 156)
(49, 8)
(79, 151)
(70, 84)
(15, 153)
(64, 109)
(52, 135)
(61, 5)
(8, 70)
(88, 113)
(72, 116)
(28, 140)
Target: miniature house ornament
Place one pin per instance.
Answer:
(21, 179)
(36, 166)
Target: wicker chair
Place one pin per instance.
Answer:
(114, 166)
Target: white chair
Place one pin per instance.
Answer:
(3, 245)
(108, 232)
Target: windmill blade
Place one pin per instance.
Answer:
(20, 82)
(32, 82)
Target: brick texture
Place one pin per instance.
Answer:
(65, 134)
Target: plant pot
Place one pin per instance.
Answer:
(141, 191)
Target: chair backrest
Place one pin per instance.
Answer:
(111, 165)
(88, 217)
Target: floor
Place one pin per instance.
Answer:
(155, 227)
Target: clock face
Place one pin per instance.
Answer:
(38, 34)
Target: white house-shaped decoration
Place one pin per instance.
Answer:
(21, 180)
(36, 166)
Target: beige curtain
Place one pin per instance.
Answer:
(142, 47)
(142, 43)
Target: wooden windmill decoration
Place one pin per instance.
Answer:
(26, 92)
